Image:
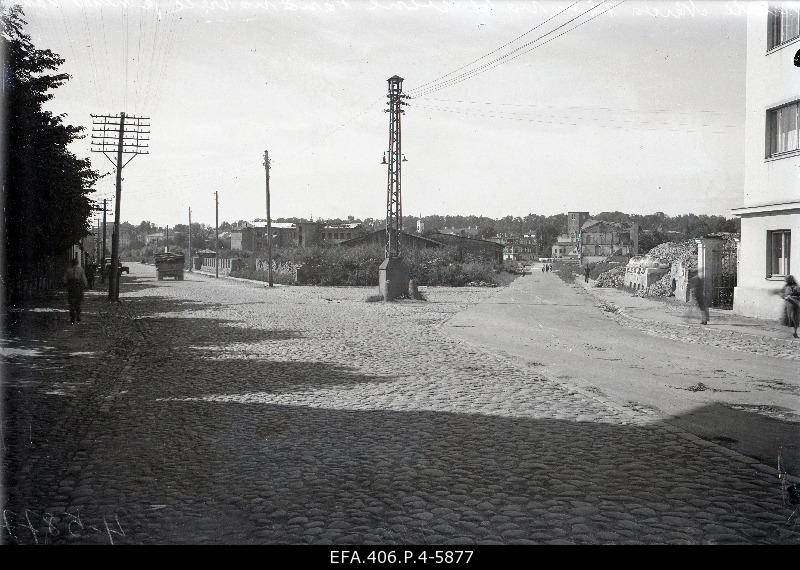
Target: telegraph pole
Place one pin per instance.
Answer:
(103, 258)
(190, 239)
(97, 243)
(269, 222)
(216, 234)
(166, 241)
(130, 139)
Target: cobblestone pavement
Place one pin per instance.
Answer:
(224, 412)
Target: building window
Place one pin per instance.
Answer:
(779, 250)
(782, 129)
(783, 23)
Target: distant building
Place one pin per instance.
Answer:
(600, 239)
(378, 237)
(769, 249)
(575, 221)
(420, 226)
(156, 238)
(469, 231)
(484, 249)
(565, 247)
(337, 233)
(252, 237)
(523, 248)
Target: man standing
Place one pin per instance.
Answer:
(90, 271)
(698, 289)
(586, 272)
(75, 280)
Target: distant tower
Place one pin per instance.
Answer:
(574, 222)
(420, 226)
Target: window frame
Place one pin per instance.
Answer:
(774, 24)
(786, 253)
(771, 130)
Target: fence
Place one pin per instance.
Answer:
(210, 264)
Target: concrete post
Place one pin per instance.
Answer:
(709, 261)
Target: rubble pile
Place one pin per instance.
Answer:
(661, 288)
(612, 278)
(672, 251)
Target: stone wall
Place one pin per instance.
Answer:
(641, 272)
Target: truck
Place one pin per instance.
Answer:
(169, 265)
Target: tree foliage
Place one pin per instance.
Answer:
(46, 186)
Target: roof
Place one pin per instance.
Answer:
(591, 223)
(348, 226)
(450, 236)
(273, 225)
(367, 237)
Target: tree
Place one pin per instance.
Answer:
(46, 187)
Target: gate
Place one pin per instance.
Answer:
(725, 278)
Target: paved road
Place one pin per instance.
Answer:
(706, 383)
(229, 413)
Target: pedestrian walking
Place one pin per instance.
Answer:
(586, 271)
(791, 303)
(75, 280)
(699, 291)
(91, 269)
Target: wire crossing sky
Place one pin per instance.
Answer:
(517, 107)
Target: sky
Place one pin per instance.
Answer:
(640, 109)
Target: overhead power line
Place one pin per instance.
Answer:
(496, 50)
(517, 52)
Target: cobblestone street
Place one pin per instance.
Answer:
(219, 411)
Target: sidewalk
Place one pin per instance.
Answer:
(672, 312)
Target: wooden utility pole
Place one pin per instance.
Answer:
(97, 243)
(269, 223)
(216, 234)
(108, 132)
(190, 239)
(103, 257)
(166, 241)
(113, 274)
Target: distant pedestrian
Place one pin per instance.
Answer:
(791, 301)
(75, 280)
(544, 266)
(91, 268)
(586, 271)
(699, 291)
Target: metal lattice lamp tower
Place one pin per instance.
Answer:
(393, 272)
(394, 206)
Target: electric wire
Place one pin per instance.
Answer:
(508, 57)
(497, 49)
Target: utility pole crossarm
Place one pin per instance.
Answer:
(126, 130)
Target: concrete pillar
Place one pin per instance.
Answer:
(709, 261)
(393, 278)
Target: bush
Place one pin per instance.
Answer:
(358, 266)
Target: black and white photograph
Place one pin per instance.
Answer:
(392, 282)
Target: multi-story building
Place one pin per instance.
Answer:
(769, 249)
(523, 248)
(252, 237)
(337, 233)
(599, 239)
